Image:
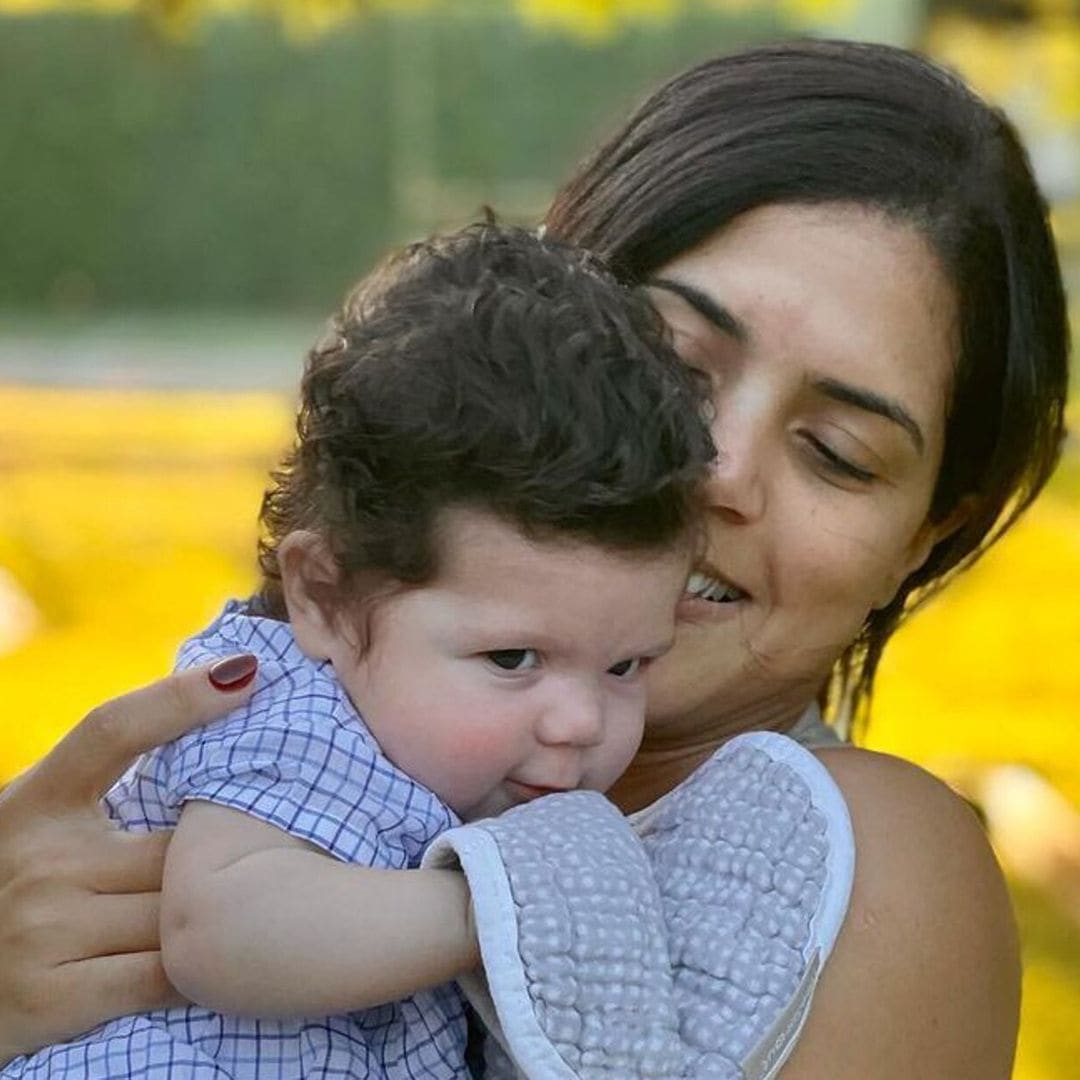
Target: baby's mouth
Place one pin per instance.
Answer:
(528, 792)
(703, 586)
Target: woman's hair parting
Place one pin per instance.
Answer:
(838, 122)
(494, 370)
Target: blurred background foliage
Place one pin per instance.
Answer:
(188, 186)
(301, 157)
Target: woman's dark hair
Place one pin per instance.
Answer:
(493, 370)
(838, 122)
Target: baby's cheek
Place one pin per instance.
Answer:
(480, 750)
(624, 730)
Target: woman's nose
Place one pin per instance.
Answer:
(735, 487)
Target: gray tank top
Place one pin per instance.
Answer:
(812, 732)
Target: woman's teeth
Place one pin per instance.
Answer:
(709, 588)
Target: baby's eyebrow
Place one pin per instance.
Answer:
(706, 306)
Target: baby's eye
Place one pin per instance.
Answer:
(514, 659)
(626, 669)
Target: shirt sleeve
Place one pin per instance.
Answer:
(298, 757)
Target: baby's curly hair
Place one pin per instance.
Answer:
(495, 370)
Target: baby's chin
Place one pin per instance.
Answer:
(491, 805)
(508, 794)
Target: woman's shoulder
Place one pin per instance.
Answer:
(924, 979)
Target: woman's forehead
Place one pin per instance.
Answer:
(842, 291)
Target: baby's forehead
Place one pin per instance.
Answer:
(479, 540)
(493, 576)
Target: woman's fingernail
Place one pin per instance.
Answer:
(234, 672)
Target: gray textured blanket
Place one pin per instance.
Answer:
(685, 942)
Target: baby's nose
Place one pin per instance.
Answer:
(575, 718)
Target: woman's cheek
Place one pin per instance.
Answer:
(865, 572)
(824, 594)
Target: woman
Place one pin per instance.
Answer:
(851, 247)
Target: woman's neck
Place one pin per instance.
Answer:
(671, 751)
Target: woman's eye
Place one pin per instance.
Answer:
(626, 669)
(514, 659)
(839, 466)
(704, 368)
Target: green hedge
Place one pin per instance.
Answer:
(244, 170)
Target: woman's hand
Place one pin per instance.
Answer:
(78, 898)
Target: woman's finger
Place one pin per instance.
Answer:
(62, 1001)
(100, 988)
(114, 925)
(57, 853)
(123, 863)
(107, 986)
(96, 751)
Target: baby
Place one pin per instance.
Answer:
(469, 558)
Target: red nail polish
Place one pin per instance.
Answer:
(233, 673)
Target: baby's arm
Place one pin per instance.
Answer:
(257, 922)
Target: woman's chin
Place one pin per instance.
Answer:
(699, 680)
(717, 680)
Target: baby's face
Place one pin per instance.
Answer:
(520, 669)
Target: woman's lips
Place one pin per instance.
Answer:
(708, 584)
(695, 609)
(710, 595)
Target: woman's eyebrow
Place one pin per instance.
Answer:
(871, 402)
(720, 317)
(708, 308)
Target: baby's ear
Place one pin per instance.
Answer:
(309, 576)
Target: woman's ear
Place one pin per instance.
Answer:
(930, 534)
(309, 574)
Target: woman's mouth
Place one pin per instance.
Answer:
(710, 598)
(717, 590)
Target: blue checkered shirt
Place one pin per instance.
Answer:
(299, 757)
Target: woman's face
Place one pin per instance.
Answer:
(829, 336)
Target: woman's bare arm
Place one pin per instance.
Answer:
(925, 978)
(79, 899)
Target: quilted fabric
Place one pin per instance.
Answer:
(686, 943)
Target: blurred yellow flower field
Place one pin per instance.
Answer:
(126, 518)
